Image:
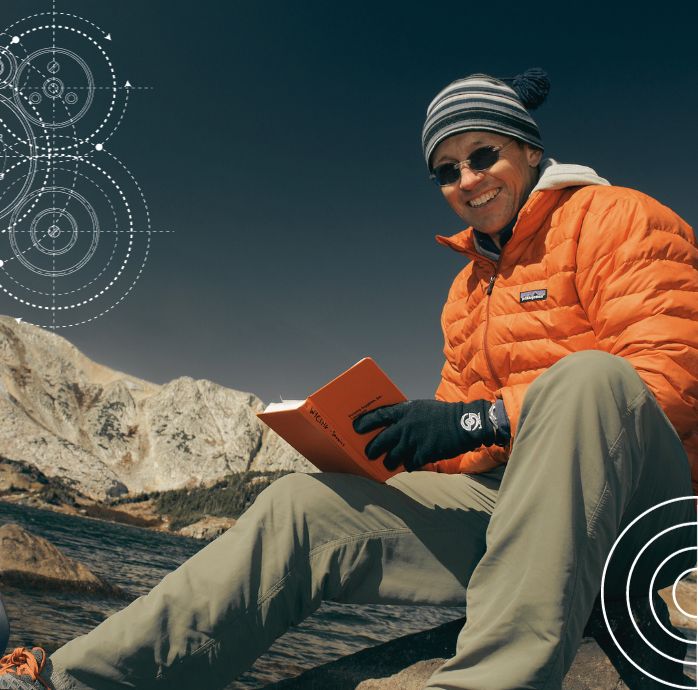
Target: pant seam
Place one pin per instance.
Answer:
(591, 528)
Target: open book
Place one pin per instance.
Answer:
(320, 427)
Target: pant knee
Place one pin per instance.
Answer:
(591, 370)
(313, 503)
(598, 363)
(287, 491)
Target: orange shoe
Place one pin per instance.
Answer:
(20, 669)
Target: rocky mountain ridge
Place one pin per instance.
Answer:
(108, 433)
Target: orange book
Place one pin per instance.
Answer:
(320, 427)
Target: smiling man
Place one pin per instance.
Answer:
(567, 407)
(570, 383)
(485, 199)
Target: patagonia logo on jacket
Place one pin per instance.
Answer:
(532, 295)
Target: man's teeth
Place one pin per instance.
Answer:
(484, 198)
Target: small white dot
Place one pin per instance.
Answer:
(2, 263)
(15, 39)
(99, 147)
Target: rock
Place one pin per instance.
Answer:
(685, 616)
(415, 656)
(108, 433)
(20, 477)
(591, 670)
(387, 667)
(29, 560)
(409, 661)
(207, 528)
(413, 677)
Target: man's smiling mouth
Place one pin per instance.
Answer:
(484, 198)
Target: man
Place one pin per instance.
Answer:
(566, 407)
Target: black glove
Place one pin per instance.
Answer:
(422, 431)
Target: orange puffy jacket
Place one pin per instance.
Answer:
(621, 275)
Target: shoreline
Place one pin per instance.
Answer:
(30, 501)
(200, 512)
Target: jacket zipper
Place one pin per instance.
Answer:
(488, 292)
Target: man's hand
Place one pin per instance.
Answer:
(422, 431)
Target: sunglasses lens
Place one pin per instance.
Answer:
(480, 159)
(483, 158)
(446, 174)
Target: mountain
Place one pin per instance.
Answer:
(107, 433)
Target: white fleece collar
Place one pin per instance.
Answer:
(554, 175)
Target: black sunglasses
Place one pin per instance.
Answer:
(480, 160)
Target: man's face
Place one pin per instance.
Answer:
(512, 177)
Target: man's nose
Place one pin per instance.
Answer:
(469, 178)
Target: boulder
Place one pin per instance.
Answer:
(208, 528)
(409, 661)
(27, 560)
(682, 603)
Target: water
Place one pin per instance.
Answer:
(136, 559)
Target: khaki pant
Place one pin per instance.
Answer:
(522, 546)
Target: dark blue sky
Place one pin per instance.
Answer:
(282, 145)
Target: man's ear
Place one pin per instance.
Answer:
(533, 156)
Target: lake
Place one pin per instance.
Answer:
(136, 559)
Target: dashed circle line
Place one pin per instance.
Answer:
(96, 88)
(28, 66)
(54, 13)
(55, 153)
(120, 270)
(31, 143)
(108, 262)
(104, 54)
(135, 182)
(38, 115)
(83, 206)
(108, 309)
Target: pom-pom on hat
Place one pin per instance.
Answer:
(481, 102)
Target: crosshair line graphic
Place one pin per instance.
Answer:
(652, 565)
(75, 228)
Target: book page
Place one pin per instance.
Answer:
(284, 405)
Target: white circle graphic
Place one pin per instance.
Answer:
(693, 525)
(75, 234)
(48, 225)
(17, 156)
(8, 67)
(38, 75)
(674, 598)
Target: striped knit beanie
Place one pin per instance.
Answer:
(481, 102)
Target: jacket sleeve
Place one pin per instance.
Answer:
(512, 397)
(448, 390)
(637, 280)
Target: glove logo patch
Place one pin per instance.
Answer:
(471, 421)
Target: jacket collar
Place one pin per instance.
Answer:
(554, 177)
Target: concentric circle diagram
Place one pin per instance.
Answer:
(54, 87)
(657, 551)
(75, 229)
